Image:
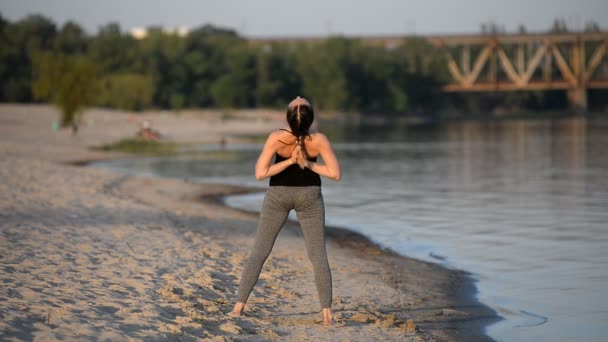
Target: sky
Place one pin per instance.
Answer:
(286, 18)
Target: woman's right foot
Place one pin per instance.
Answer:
(238, 309)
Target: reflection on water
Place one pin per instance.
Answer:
(521, 204)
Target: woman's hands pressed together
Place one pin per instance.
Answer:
(295, 154)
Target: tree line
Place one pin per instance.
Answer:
(215, 67)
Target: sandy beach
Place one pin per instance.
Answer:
(87, 254)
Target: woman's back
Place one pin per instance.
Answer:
(285, 141)
(294, 175)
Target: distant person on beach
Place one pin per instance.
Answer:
(147, 132)
(295, 183)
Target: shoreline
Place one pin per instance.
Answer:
(162, 258)
(460, 313)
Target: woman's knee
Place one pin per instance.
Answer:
(319, 261)
(258, 257)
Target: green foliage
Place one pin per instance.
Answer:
(323, 68)
(66, 81)
(215, 67)
(71, 39)
(176, 101)
(140, 146)
(19, 42)
(125, 91)
(211, 65)
(236, 87)
(161, 58)
(113, 51)
(277, 77)
(347, 75)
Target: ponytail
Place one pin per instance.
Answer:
(300, 117)
(303, 156)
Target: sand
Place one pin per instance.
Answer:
(87, 254)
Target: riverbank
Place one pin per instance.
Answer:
(92, 254)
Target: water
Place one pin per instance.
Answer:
(523, 205)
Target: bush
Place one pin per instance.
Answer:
(126, 91)
(67, 81)
(139, 146)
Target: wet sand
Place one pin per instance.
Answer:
(90, 254)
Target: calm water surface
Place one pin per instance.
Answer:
(523, 205)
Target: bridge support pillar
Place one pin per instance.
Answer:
(577, 98)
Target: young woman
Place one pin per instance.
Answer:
(295, 183)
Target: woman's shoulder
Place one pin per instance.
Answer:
(279, 134)
(318, 141)
(318, 137)
(278, 138)
(286, 136)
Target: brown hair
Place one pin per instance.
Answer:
(300, 118)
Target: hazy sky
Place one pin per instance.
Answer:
(317, 17)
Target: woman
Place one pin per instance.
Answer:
(294, 184)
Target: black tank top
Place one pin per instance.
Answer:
(294, 176)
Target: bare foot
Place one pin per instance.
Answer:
(327, 316)
(238, 309)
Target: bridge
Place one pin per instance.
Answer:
(574, 62)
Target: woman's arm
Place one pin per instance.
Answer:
(331, 168)
(263, 169)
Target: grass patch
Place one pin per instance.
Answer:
(139, 146)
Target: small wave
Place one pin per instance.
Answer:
(541, 320)
(437, 256)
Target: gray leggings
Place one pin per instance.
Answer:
(278, 202)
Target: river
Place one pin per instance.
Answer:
(522, 205)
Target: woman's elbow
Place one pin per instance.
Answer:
(336, 176)
(259, 176)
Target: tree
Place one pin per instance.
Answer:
(206, 57)
(277, 78)
(420, 73)
(160, 56)
(71, 39)
(322, 67)
(20, 41)
(125, 91)
(112, 51)
(66, 81)
(235, 88)
(211, 66)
